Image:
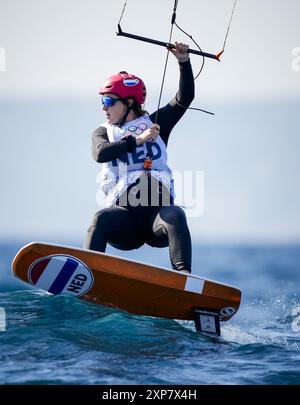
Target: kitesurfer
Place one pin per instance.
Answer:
(137, 181)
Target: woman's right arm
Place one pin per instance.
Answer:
(105, 151)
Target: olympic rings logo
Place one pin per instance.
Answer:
(137, 130)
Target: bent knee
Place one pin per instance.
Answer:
(101, 218)
(173, 215)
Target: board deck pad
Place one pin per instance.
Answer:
(121, 283)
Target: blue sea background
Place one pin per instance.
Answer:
(63, 340)
(248, 236)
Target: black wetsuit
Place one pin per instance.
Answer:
(129, 227)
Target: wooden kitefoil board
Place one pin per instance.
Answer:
(128, 285)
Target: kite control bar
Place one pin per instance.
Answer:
(166, 44)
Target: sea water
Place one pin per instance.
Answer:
(62, 340)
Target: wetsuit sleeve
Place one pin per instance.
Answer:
(105, 151)
(169, 115)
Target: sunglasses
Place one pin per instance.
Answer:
(109, 101)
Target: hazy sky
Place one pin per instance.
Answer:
(68, 46)
(55, 54)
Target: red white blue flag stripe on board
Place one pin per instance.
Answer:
(60, 274)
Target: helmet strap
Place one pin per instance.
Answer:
(122, 121)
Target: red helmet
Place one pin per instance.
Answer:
(125, 85)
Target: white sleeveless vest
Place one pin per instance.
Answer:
(119, 174)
